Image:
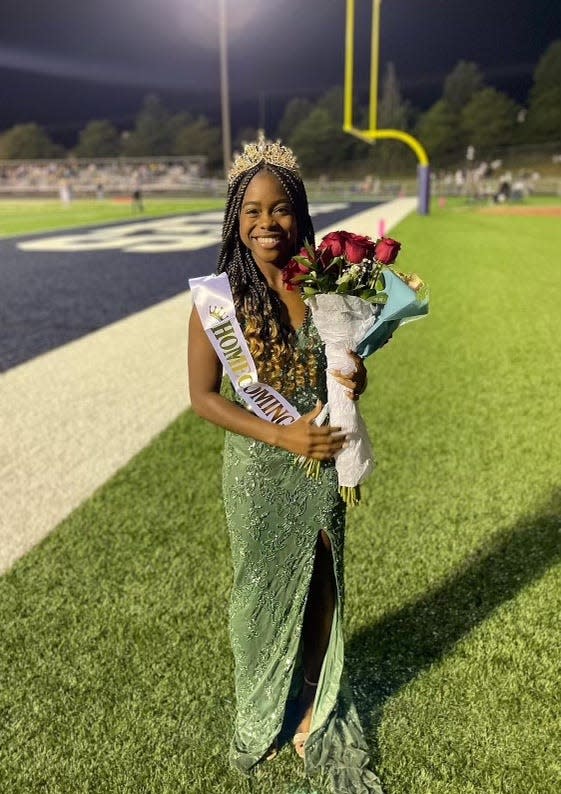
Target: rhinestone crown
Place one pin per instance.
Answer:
(262, 151)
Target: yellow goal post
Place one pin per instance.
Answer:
(373, 133)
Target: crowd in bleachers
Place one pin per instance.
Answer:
(99, 177)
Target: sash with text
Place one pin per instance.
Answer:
(213, 299)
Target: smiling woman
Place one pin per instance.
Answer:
(286, 530)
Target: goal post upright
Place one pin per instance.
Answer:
(372, 134)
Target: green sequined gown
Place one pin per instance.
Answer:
(274, 514)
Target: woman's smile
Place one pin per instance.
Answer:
(268, 242)
(267, 221)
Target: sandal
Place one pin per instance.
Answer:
(299, 742)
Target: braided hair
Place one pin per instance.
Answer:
(271, 340)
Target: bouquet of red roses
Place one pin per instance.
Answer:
(357, 300)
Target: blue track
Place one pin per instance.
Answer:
(48, 299)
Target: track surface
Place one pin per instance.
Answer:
(60, 286)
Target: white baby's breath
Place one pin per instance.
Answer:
(353, 273)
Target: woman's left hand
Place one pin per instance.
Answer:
(355, 382)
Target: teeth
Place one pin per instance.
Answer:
(267, 239)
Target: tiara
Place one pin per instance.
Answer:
(262, 151)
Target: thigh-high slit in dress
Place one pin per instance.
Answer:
(274, 514)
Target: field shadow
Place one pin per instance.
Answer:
(383, 658)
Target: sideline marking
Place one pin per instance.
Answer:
(70, 418)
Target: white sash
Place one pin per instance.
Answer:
(214, 301)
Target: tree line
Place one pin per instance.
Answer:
(469, 113)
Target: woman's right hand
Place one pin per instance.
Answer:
(303, 437)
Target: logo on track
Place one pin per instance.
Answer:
(159, 236)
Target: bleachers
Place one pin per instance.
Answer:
(103, 176)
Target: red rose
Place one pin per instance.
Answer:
(292, 269)
(288, 273)
(331, 246)
(386, 250)
(303, 269)
(359, 247)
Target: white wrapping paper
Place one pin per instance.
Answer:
(342, 322)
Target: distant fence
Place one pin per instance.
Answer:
(529, 170)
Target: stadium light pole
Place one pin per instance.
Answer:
(224, 88)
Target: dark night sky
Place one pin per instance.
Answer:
(63, 62)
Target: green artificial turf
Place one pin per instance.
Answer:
(115, 667)
(24, 216)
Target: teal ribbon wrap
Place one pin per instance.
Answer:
(402, 306)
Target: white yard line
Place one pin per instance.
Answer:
(72, 417)
(367, 222)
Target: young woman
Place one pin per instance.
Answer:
(286, 530)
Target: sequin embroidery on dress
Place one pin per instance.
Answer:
(274, 513)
